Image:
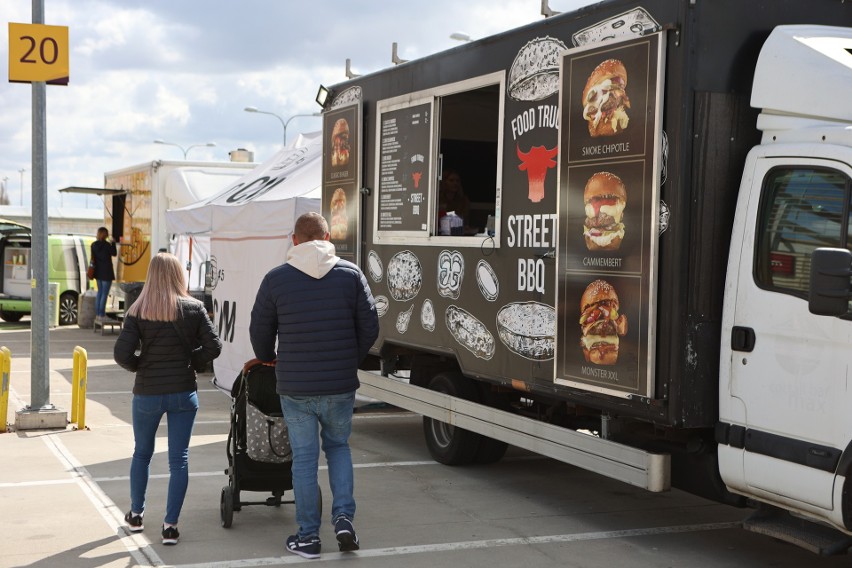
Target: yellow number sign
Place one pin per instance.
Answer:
(38, 53)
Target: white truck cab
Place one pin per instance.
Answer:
(785, 425)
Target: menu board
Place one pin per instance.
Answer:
(341, 178)
(404, 168)
(608, 207)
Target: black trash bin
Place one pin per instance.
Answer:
(131, 292)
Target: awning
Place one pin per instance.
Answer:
(93, 190)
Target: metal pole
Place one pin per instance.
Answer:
(40, 369)
(22, 170)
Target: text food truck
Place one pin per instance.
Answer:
(648, 275)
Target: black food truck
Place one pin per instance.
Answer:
(618, 237)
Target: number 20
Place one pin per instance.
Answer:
(41, 49)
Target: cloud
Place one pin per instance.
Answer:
(183, 72)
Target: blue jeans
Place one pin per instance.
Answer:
(101, 298)
(180, 409)
(309, 420)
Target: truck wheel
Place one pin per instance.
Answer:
(448, 444)
(11, 317)
(68, 308)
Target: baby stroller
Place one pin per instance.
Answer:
(258, 449)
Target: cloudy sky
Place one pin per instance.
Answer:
(184, 70)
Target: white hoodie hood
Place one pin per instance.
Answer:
(314, 258)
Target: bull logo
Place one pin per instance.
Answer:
(536, 162)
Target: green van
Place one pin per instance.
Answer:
(67, 259)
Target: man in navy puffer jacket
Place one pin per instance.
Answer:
(321, 311)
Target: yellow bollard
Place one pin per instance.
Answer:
(79, 379)
(5, 369)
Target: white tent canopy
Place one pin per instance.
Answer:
(252, 202)
(246, 231)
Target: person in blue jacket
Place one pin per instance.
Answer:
(320, 310)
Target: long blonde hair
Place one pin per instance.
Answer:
(164, 286)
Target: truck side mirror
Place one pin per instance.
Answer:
(829, 281)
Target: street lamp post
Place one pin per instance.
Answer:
(184, 150)
(22, 170)
(284, 123)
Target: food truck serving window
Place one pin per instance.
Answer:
(438, 164)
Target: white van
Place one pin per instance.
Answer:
(67, 259)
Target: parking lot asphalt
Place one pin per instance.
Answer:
(63, 494)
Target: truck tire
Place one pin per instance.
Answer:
(11, 317)
(448, 444)
(68, 308)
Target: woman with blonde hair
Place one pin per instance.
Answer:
(164, 331)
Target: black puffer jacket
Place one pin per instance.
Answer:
(102, 253)
(163, 364)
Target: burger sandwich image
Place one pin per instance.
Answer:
(340, 143)
(339, 218)
(605, 199)
(605, 101)
(600, 323)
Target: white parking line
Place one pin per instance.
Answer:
(136, 544)
(467, 545)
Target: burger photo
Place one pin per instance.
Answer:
(339, 218)
(605, 101)
(600, 323)
(340, 143)
(604, 198)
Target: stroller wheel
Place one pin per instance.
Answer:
(226, 506)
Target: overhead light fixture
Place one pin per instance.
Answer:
(322, 96)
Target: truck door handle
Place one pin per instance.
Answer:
(742, 339)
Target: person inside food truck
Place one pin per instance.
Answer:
(451, 197)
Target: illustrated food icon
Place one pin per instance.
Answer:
(403, 319)
(487, 281)
(470, 332)
(405, 276)
(339, 218)
(528, 329)
(427, 315)
(382, 305)
(340, 143)
(605, 101)
(374, 266)
(450, 273)
(534, 74)
(601, 324)
(605, 198)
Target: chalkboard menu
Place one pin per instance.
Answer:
(404, 169)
